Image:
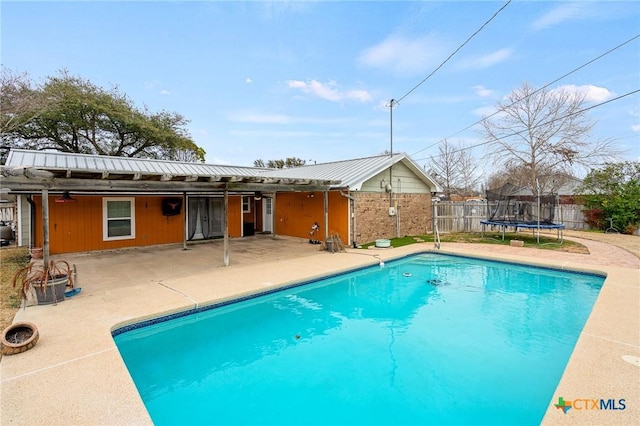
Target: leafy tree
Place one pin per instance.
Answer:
(71, 114)
(613, 192)
(543, 134)
(287, 163)
(454, 169)
(20, 102)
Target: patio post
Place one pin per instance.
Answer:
(225, 226)
(45, 226)
(184, 228)
(325, 197)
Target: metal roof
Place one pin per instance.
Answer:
(354, 173)
(55, 160)
(63, 166)
(29, 170)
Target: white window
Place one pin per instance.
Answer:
(118, 218)
(246, 204)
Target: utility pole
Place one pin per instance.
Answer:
(391, 104)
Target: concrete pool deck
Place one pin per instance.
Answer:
(75, 375)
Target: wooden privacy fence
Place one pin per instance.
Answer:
(465, 216)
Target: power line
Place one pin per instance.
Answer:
(539, 125)
(534, 92)
(450, 56)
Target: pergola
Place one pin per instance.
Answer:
(182, 180)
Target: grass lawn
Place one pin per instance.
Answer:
(546, 242)
(11, 259)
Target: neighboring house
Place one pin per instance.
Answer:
(99, 202)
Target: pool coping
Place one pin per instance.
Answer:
(46, 369)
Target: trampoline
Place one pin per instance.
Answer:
(504, 224)
(517, 208)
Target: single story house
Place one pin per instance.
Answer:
(100, 202)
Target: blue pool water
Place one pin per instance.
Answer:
(427, 339)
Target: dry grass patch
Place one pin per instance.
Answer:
(11, 259)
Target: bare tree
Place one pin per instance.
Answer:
(469, 174)
(543, 134)
(455, 169)
(550, 181)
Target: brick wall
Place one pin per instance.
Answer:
(373, 220)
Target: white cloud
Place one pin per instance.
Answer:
(329, 91)
(152, 84)
(635, 113)
(156, 86)
(485, 61)
(216, 160)
(248, 80)
(405, 56)
(277, 134)
(257, 118)
(484, 111)
(260, 118)
(590, 92)
(565, 12)
(482, 91)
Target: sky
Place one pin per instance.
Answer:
(313, 80)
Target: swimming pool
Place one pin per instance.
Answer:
(426, 339)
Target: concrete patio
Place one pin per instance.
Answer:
(75, 374)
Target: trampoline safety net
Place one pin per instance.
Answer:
(513, 204)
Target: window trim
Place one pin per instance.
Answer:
(248, 200)
(105, 219)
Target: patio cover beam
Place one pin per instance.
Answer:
(22, 183)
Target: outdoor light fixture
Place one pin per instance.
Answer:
(258, 195)
(66, 198)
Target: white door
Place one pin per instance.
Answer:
(267, 214)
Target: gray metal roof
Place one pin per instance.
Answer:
(54, 160)
(30, 170)
(354, 173)
(339, 174)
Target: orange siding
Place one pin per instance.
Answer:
(77, 226)
(296, 211)
(235, 216)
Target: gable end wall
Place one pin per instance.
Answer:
(404, 181)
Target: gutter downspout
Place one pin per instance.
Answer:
(32, 214)
(45, 228)
(353, 214)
